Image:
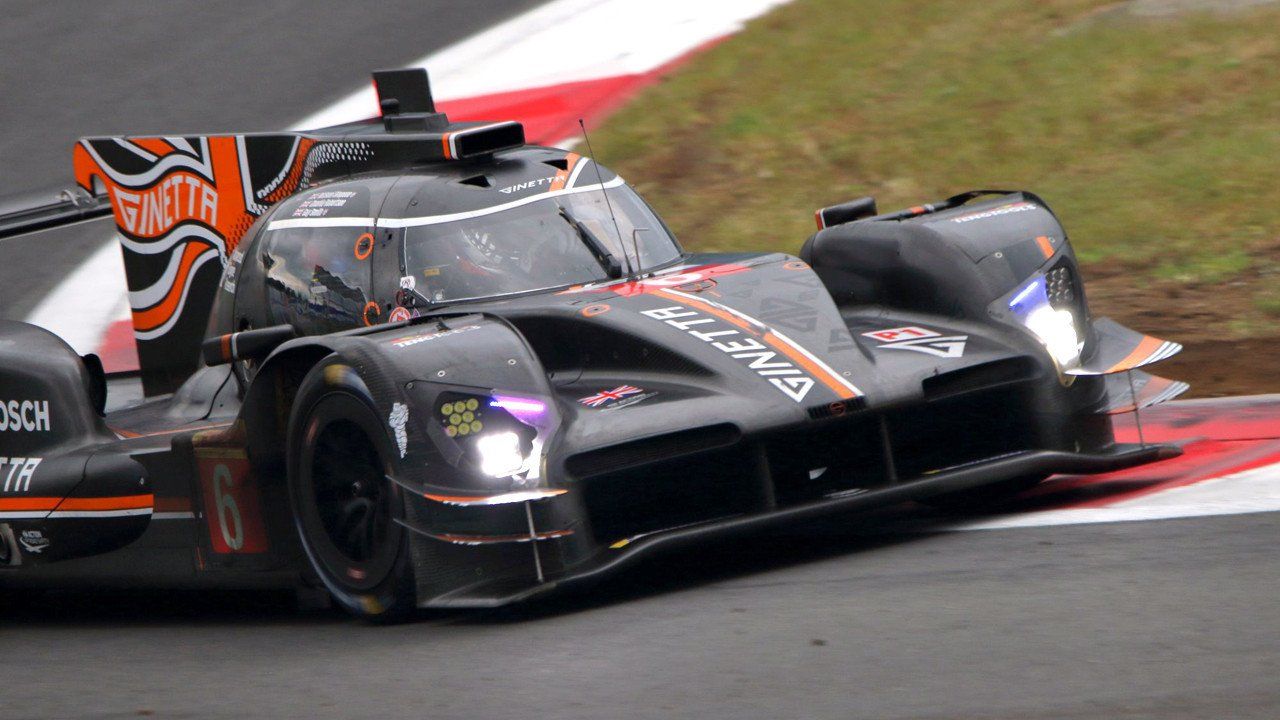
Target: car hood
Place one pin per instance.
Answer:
(751, 340)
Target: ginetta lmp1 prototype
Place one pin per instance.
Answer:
(427, 364)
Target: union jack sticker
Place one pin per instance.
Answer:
(608, 397)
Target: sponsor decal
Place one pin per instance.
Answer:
(24, 416)
(411, 340)
(17, 476)
(527, 185)
(33, 541)
(232, 270)
(739, 345)
(409, 282)
(921, 340)
(995, 212)
(398, 419)
(619, 397)
(400, 314)
(319, 204)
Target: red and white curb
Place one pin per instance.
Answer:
(1230, 465)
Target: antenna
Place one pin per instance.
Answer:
(600, 179)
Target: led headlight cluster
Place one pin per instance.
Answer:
(1054, 325)
(460, 417)
(1060, 288)
(497, 435)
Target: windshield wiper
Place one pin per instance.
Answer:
(611, 266)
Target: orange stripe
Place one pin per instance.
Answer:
(156, 316)
(126, 502)
(814, 369)
(1046, 247)
(29, 503)
(479, 499)
(817, 215)
(796, 356)
(562, 176)
(444, 140)
(711, 310)
(226, 348)
(153, 144)
(1144, 350)
(130, 434)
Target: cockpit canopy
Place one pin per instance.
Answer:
(380, 248)
(534, 245)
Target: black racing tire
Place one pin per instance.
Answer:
(345, 510)
(982, 497)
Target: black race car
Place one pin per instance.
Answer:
(426, 364)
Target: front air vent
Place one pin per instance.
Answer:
(652, 450)
(979, 377)
(568, 346)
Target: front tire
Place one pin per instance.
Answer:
(346, 511)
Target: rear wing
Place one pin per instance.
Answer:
(182, 204)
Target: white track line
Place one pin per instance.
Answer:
(608, 38)
(86, 302)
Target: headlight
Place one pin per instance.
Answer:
(1056, 329)
(500, 454)
(501, 436)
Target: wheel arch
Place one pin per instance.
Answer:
(270, 399)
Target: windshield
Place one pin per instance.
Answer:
(534, 246)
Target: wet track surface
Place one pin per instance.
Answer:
(1172, 619)
(866, 617)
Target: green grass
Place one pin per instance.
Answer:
(1156, 140)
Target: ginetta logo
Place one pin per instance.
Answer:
(527, 185)
(758, 357)
(24, 416)
(176, 199)
(20, 472)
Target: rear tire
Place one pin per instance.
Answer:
(345, 510)
(982, 497)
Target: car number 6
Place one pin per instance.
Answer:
(228, 511)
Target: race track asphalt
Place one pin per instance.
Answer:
(1171, 619)
(859, 619)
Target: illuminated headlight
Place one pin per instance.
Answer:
(500, 454)
(496, 435)
(1055, 329)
